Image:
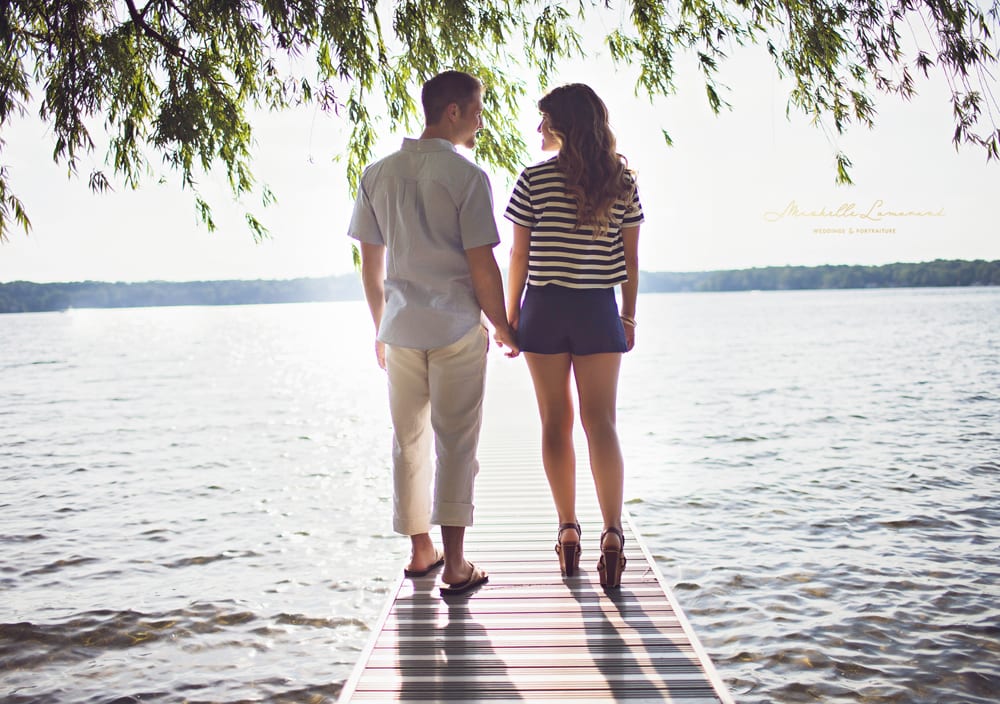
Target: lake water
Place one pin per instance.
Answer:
(194, 502)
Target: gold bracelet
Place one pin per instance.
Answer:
(628, 321)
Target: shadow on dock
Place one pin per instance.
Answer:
(449, 662)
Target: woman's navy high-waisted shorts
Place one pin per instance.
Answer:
(556, 319)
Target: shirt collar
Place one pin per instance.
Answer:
(427, 145)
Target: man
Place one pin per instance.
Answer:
(424, 218)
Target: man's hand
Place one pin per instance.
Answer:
(488, 285)
(506, 337)
(380, 353)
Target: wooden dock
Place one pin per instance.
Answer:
(531, 634)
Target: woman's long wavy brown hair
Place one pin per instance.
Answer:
(596, 174)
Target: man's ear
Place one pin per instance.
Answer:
(453, 111)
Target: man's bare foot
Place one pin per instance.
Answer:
(451, 576)
(428, 567)
(424, 557)
(474, 579)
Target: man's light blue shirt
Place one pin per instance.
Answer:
(427, 204)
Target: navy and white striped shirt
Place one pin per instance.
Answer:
(561, 253)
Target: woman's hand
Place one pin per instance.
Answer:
(628, 323)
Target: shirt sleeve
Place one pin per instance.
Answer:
(633, 210)
(519, 209)
(364, 225)
(476, 221)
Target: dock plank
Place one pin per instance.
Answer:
(530, 634)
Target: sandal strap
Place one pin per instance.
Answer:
(567, 526)
(617, 531)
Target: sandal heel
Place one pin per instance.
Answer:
(569, 557)
(611, 565)
(568, 552)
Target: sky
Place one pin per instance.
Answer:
(750, 187)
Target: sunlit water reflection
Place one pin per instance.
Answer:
(195, 501)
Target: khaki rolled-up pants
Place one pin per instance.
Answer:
(436, 393)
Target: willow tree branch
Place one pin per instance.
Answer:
(178, 10)
(137, 18)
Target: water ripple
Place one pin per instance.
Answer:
(193, 509)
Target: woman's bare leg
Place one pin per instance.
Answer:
(597, 384)
(550, 374)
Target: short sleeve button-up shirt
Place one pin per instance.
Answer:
(426, 204)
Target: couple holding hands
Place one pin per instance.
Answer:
(424, 220)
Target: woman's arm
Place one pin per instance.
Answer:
(630, 288)
(517, 274)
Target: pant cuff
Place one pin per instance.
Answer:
(410, 528)
(451, 514)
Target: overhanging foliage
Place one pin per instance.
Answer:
(175, 80)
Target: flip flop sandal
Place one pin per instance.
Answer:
(427, 570)
(477, 578)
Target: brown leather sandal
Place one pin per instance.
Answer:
(612, 562)
(568, 552)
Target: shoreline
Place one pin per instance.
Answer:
(31, 297)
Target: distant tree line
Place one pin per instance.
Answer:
(26, 297)
(789, 278)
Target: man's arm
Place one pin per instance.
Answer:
(488, 285)
(373, 279)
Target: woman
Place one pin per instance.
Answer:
(576, 230)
